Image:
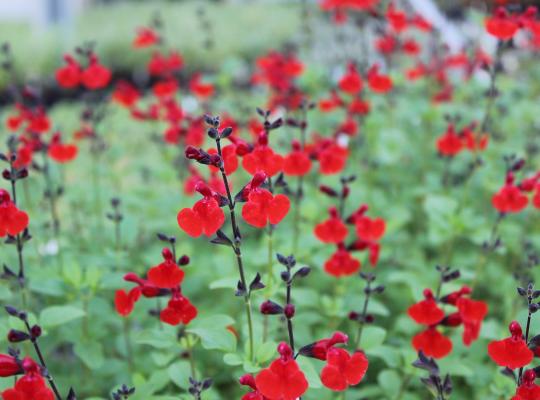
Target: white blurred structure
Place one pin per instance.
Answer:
(41, 14)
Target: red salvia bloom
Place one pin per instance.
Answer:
(125, 301)
(343, 370)
(125, 94)
(426, 311)
(31, 386)
(283, 379)
(332, 159)
(511, 352)
(206, 217)
(12, 220)
(472, 313)
(333, 230)
(249, 380)
(359, 107)
(341, 264)
(396, 18)
(61, 152)
(432, 343)
(450, 143)
(528, 390)
(179, 310)
(146, 37)
(509, 199)
(24, 156)
(501, 25)
(297, 162)
(148, 289)
(95, 76)
(263, 207)
(201, 89)
(369, 229)
(8, 366)
(263, 159)
(165, 88)
(351, 82)
(319, 349)
(377, 82)
(69, 76)
(165, 65)
(536, 198)
(230, 159)
(166, 275)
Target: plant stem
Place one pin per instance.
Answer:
(367, 291)
(129, 350)
(238, 252)
(19, 243)
(529, 301)
(289, 321)
(42, 361)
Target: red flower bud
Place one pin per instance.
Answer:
(289, 311)
(9, 366)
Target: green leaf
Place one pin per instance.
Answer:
(214, 333)
(310, 372)
(232, 359)
(390, 381)
(372, 336)
(179, 373)
(58, 315)
(160, 339)
(90, 353)
(265, 351)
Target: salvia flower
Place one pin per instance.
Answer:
(283, 379)
(510, 198)
(206, 216)
(343, 369)
(262, 206)
(511, 352)
(12, 220)
(333, 230)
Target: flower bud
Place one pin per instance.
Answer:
(9, 366)
(16, 336)
(184, 260)
(270, 308)
(167, 254)
(289, 311)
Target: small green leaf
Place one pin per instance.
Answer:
(58, 315)
(372, 336)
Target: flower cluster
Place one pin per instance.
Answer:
(452, 143)
(429, 312)
(163, 279)
(504, 25)
(88, 71)
(368, 232)
(31, 385)
(518, 350)
(340, 8)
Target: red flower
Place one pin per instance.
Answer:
(450, 143)
(124, 302)
(179, 310)
(12, 220)
(263, 159)
(472, 314)
(230, 160)
(528, 390)
(351, 82)
(206, 217)
(333, 230)
(31, 386)
(69, 76)
(426, 312)
(341, 264)
(95, 76)
(61, 152)
(297, 162)
(474, 142)
(332, 159)
(343, 370)
(511, 352)
(125, 94)
(200, 89)
(509, 199)
(369, 229)
(501, 25)
(165, 65)
(263, 207)
(432, 343)
(165, 88)
(146, 37)
(24, 156)
(166, 275)
(148, 289)
(283, 379)
(319, 349)
(396, 18)
(249, 380)
(377, 82)
(8, 366)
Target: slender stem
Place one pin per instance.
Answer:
(238, 252)
(42, 361)
(492, 88)
(19, 243)
(289, 320)
(51, 191)
(529, 301)
(363, 316)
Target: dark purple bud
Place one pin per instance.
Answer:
(270, 308)
(289, 311)
(184, 260)
(15, 336)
